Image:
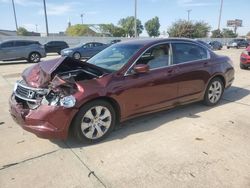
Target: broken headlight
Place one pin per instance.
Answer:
(68, 101)
(54, 99)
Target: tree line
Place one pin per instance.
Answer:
(125, 28)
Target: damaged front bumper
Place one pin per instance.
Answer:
(51, 122)
(44, 120)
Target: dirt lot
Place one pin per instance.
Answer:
(190, 146)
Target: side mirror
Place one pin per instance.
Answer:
(141, 68)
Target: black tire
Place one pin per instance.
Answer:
(77, 56)
(243, 66)
(79, 119)
(228, 47)
(207, 99)
(34, 57)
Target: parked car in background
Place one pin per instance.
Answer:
(115, 41)
(55, 46)
(237, 43)
(204, 43)
(245, 59)
(125, 80)
(84, 51)
(216, 45)
(29, 50)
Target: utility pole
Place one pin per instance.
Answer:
(188, 11)
(14, 11)
(135, 18)
(221, 5)
(36, 28)
(82, 18)
(46, 20)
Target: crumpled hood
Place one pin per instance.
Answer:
(39, 74)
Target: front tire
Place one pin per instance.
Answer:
(214, 92)
(34, 57)
(94, 121)
(77, 56)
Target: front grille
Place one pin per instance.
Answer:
(27, 93)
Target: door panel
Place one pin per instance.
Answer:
(192, 79)
(193, 64)
(147, 92)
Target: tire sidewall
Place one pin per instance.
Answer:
(206, 99)
(77, 131)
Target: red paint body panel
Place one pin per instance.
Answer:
(134, 94)
(245, 58)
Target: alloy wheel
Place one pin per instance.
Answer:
(96, 122)
(215, 92)
(35, 57)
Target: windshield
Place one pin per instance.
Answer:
(114, 57)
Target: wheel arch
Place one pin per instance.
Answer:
(34, 52)
(212, 77)
(110, 100)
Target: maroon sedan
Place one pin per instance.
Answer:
(126, 80)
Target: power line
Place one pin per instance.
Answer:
(188, 11)
(14, 11)
(46, 20)
(221, 5)
(135, 18)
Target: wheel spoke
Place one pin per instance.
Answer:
(99, 131)
(98, 110)
(89, 115)
(105, 115)
(90, 133)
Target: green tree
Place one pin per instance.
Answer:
(127, 25)
(216, 34)
(228, 33)
(79, 30)
(181, 28)
(152, 27)
(188, 29)
(201, 29)
(22, 31)
(113, 30)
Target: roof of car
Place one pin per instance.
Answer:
(152, 41)
(19, 41)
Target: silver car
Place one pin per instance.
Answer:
(29, 50)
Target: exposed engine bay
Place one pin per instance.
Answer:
(53, 84)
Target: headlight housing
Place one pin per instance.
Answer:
(68, 101)
(234, 44)
(67, 51)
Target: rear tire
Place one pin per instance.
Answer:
(94, 121)
(214, 92)
(34, 57)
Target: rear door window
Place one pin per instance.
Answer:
(7, 44)
(185, 52)
(21, 43)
